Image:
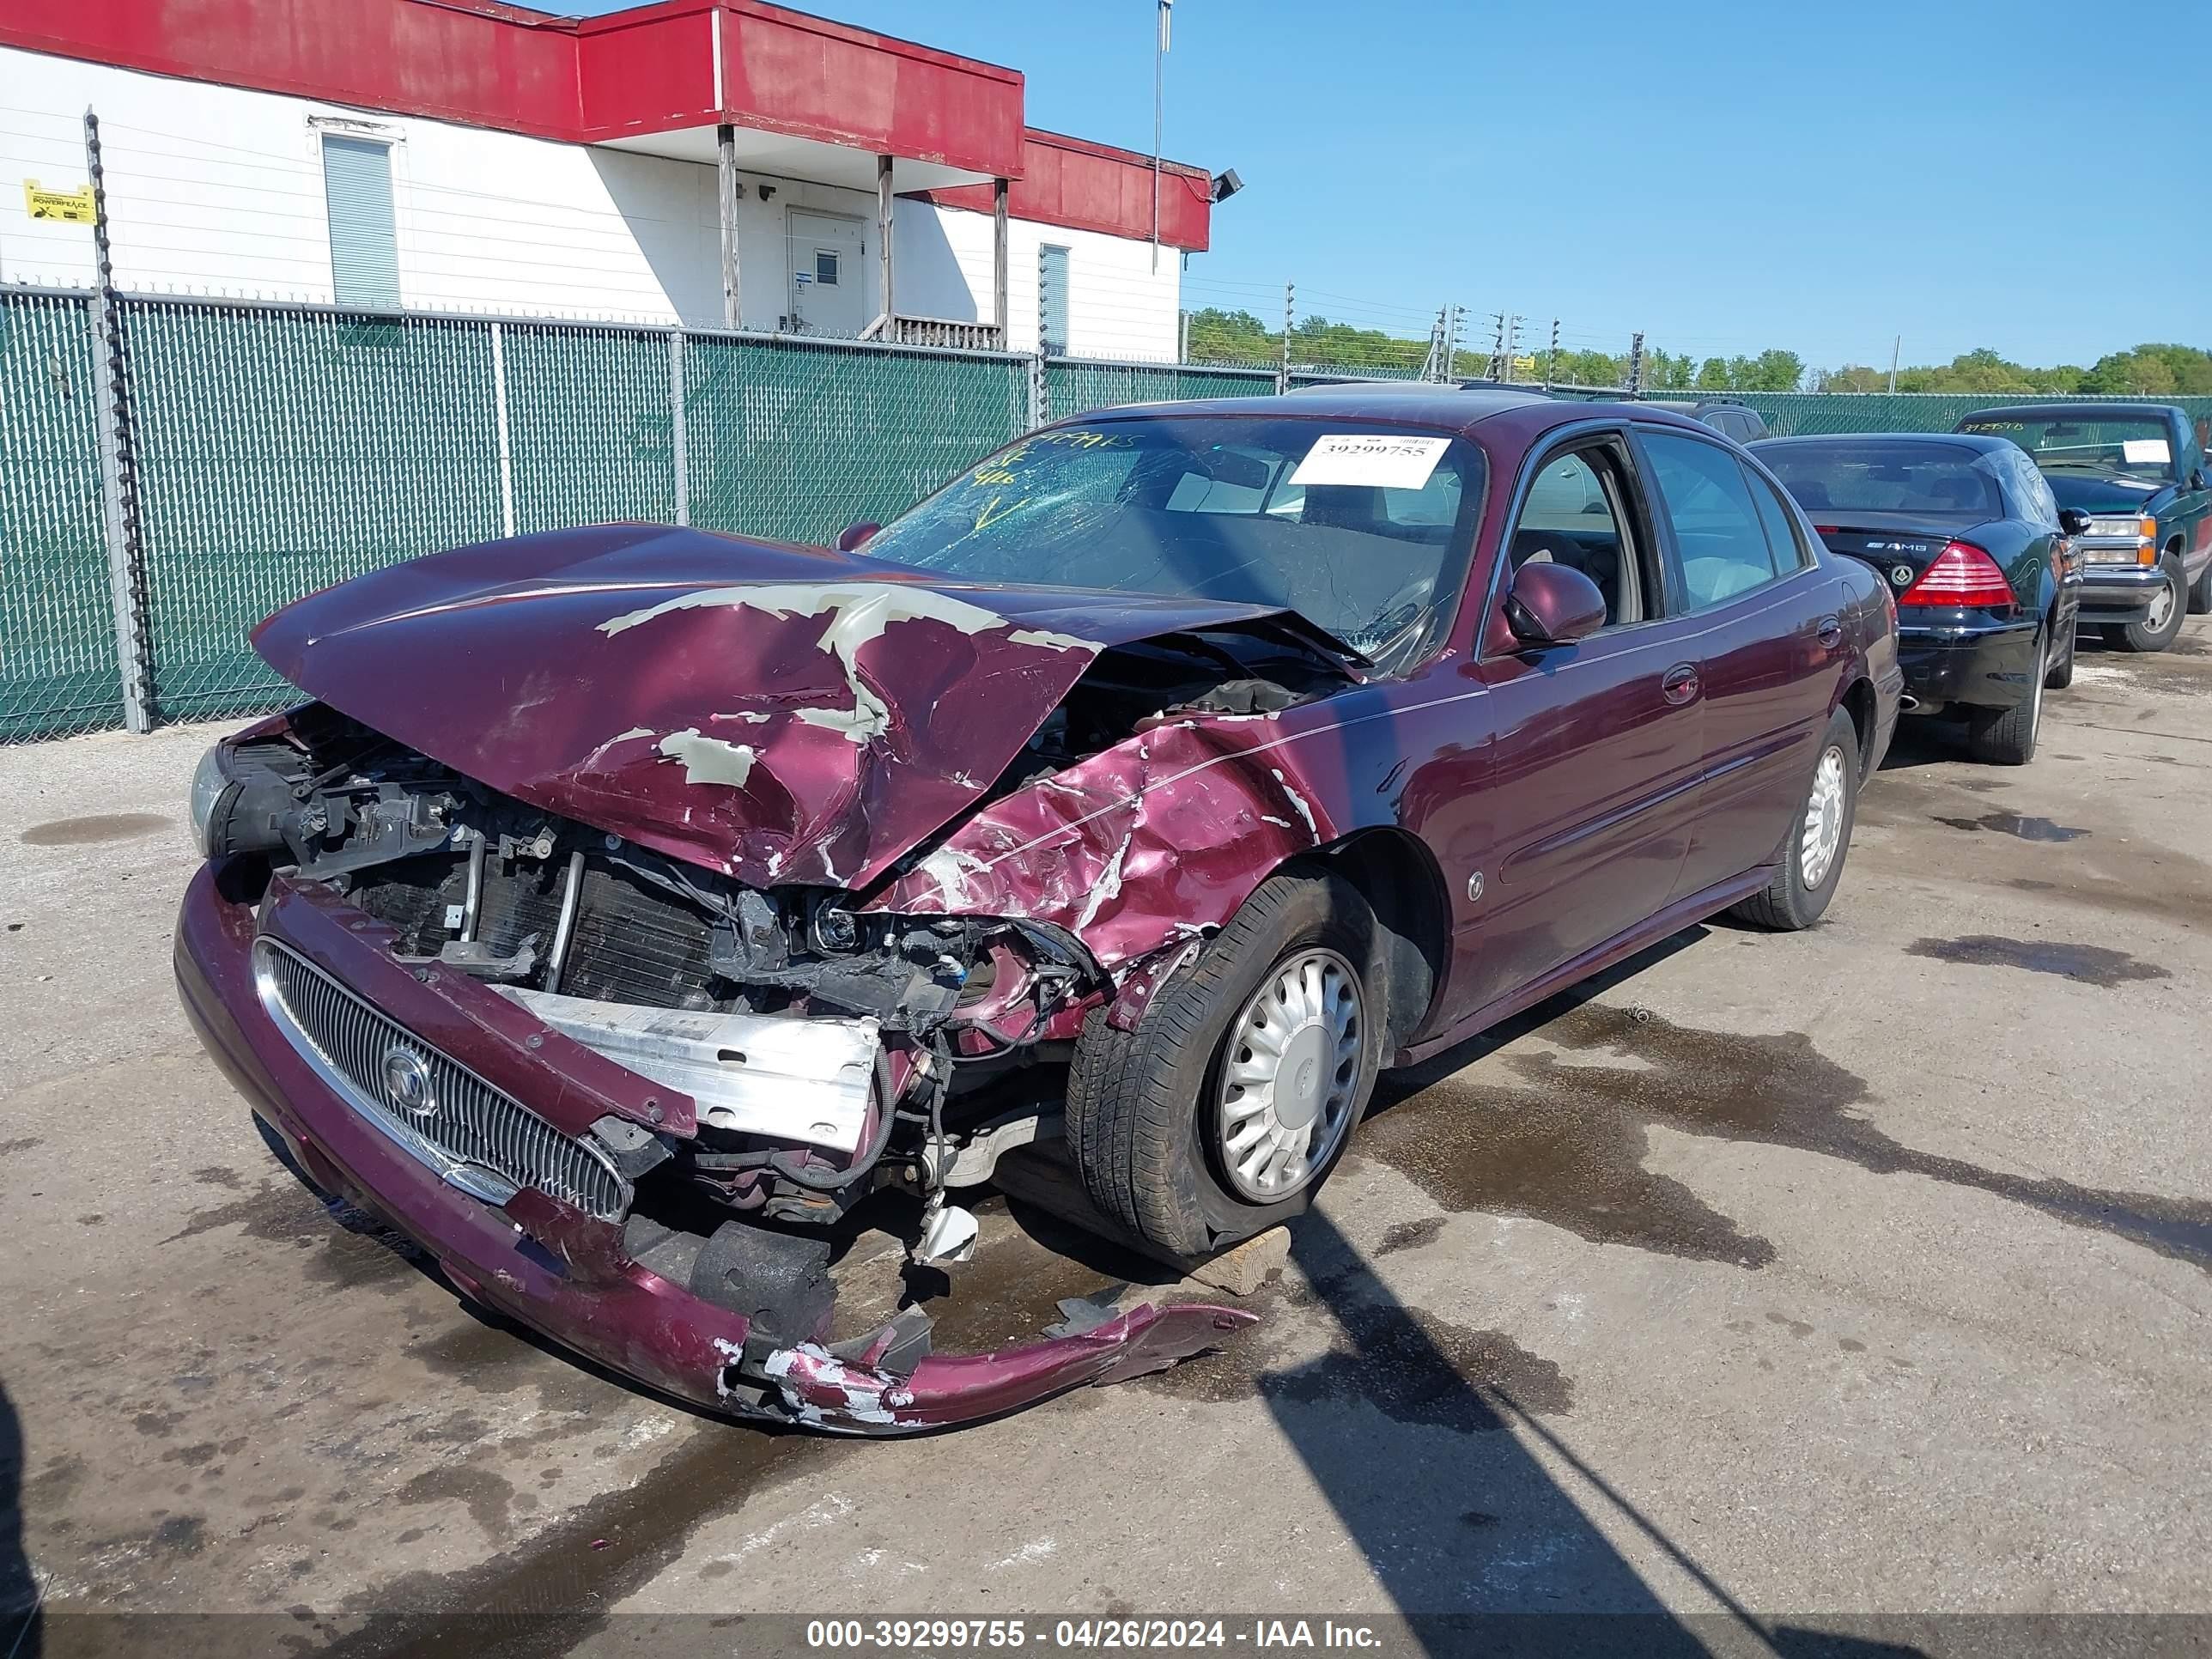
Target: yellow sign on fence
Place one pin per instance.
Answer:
(71, 207)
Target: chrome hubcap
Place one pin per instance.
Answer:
(1824, 819)
(2161, 609)
(1289, 1075)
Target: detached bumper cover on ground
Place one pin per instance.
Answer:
(552, 1266)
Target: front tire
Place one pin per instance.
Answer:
(1819, 835)
(2006, 736)
(2161, 623)
(1225, 1110)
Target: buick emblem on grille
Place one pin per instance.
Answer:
(407, 1083)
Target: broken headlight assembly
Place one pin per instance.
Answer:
(237, 807)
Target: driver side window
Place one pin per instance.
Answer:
(1574, 514)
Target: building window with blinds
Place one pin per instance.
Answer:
(1052, 301)
(364, 232)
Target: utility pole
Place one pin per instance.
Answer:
(1512, 344)
(1552, 357)
(1896, 345)
(1432, 366)
(1290, 308)
(1451, 344)
(1496, 346)
(1183, 337)
(1636, 364)
(1160, 82)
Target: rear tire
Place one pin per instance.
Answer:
(2006, 736)
(2200, 593)
(1152, 1113)
(1812, 857)
(2060, 674)
(2161, 625)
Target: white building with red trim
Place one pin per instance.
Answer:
(713, 162)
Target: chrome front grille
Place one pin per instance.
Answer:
(478, 1138)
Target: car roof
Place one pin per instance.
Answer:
(2076, 410)
(1980, 441)
(1423, 403)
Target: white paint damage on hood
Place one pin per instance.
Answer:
(859, 612)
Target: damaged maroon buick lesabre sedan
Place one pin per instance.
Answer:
(630, 901)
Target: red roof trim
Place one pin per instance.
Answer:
(1101, 187)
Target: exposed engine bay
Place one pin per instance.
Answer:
(829, 1048)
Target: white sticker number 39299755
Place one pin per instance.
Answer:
(1380, 460)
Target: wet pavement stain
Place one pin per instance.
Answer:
(2014, 823)
(2110, 874)
(1563, 1151)
(1416, 1368)
(351, 1247)
(544, 1597)
(1410, 1234)
(1423, 1371)
(2090, 963)
(90, 831)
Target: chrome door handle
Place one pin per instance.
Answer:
(1680, 683)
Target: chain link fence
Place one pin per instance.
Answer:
(266, 451)
(58, 671)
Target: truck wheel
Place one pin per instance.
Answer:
(1812, 856)
(1226, 1108)
(2200, 593)
(2006, 736)
(2161, 623)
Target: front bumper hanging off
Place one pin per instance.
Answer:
(550, 1264)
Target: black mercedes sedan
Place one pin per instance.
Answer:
(1978, 556)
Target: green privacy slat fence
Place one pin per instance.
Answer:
(1787, 414)
(57, 665)
(589, 431)
(794, 441)
(282, 450)
(1073, 386)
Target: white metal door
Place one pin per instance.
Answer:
(828, 290)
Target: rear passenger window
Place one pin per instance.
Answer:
(1718, 528)
(1781, 537)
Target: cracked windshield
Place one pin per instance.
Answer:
(1360, 528)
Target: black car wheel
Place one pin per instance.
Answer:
(2161, 623)
(2060, 672)
(1812, 855)
(2006, 736)
(2200, 593)
(1226, 1108)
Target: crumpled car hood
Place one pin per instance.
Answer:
(781, 713)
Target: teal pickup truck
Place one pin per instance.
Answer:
(2139, 471)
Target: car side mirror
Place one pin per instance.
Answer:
(854, 536)
(2197, 478)
(1552, 605)
(2073, 520)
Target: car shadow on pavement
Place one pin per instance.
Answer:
(23, 1627)
(1425, 1439)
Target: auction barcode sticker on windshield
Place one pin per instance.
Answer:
(2146, 452)
(1377, 459)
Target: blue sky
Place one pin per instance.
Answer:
(1724, 176)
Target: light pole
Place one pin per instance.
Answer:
(1159, 79)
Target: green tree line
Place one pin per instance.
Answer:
(1238, 336)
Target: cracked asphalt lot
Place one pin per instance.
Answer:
(1859, 1272)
